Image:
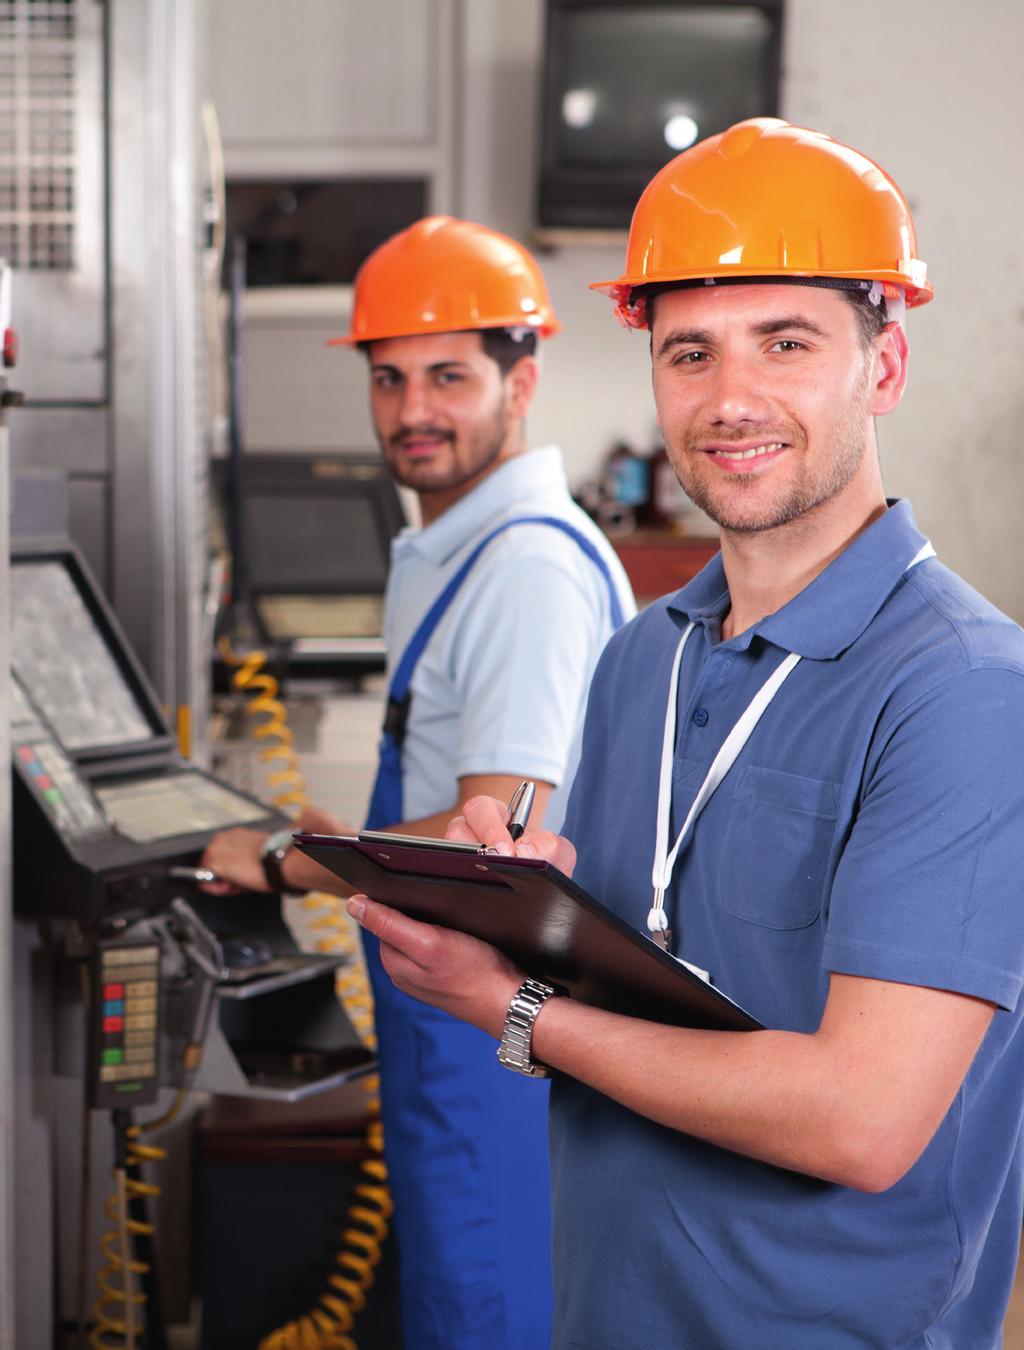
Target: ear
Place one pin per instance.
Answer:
(890, 370)
(521, 384)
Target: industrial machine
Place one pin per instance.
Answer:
(124, 983)
(110, 822)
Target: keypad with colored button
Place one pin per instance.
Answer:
(127, 1024)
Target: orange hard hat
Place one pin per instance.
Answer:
(444, 275)
(769, 200)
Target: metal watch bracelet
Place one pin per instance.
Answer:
(517, 1033)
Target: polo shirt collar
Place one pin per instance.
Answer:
(830, 614)
(533, 473)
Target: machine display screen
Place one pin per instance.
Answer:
(149, 809)
(59, 654)
(308, 542)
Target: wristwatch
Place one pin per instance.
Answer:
(276, 848)
(517, 1033)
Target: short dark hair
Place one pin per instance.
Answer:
(871, 318)
(505, 346)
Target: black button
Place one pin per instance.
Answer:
(700, 717)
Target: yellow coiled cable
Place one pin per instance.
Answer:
(115, 1310)
(261, 690)
(329, 1324)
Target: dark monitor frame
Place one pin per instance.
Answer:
(162, 741)
(279, 475)
(589, 197)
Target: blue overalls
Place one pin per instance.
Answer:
(466, 1140)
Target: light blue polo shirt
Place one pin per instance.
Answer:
(502, 684)
(873, 825)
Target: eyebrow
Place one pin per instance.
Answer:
(437, 365)
(702, 337)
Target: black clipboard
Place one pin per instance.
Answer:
(550, 927)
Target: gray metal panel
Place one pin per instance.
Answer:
(320, 75)
(90, 524)
(138, 428)
(158, 528)
(40, 504)
(55, 221)
(35, 1196)
(7, 1081)
(76, 439)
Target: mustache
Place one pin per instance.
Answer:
(698, 437)
(401, 438)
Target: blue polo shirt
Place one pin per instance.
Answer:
(873, 825)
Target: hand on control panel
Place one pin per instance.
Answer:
(236, 857)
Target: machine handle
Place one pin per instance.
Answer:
(194, 874)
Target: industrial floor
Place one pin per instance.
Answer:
(336, 736)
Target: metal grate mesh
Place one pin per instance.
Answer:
(37, 133)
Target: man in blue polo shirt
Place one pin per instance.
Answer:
(801, 775)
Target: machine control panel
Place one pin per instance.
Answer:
(126, 1016)
(48, 772)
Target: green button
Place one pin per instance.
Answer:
(113, 1056)
(52, 794)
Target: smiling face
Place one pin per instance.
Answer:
(766, 396)
(444, 414)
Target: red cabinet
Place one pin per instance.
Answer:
(658, 562)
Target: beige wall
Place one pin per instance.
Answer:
(932, 89)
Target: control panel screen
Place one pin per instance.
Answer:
(58, 652)
(148, 809)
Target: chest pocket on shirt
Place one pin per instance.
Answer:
(776, 847)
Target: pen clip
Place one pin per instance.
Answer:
(519, 809)
(513, 805)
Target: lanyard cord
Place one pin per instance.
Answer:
(664, 862)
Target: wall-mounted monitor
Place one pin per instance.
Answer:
(628, 84)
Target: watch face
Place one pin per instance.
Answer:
(279, 842)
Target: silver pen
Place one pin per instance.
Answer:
(519, 809)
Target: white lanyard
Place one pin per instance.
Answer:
(664, 861)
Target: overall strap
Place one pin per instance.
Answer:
(402, 677)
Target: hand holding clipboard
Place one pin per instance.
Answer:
(534, 914)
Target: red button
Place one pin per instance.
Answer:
(26, 753)
(113, 991)
(44, 782)
(10, 355)
(113, 1024)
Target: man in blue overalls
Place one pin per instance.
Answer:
(496, 612)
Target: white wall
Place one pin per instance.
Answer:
(931, 89)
